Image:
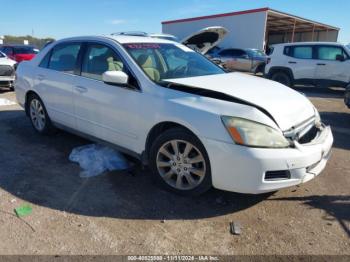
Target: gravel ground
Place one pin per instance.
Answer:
(123, 213)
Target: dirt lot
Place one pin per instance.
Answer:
(122, 213)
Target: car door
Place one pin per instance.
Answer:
(300, 61)
(243, 61)
(54, 80)
(107, 112)
(227, 59)
(330, 69)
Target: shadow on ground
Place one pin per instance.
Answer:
(320, 92)
(36, 169)
(335, 207)
(340, 124)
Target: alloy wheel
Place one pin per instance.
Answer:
(180, 164)
(37, 114)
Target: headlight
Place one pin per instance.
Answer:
(250, 133)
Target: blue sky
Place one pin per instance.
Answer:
(62, 18)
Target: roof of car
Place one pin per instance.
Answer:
(309, 43)
(122, 39)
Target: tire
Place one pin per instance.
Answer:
(175, 172)
(347, 96)
(38, 116)
(283, 78)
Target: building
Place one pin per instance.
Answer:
(255, 28)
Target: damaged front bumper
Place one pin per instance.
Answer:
(259, 170)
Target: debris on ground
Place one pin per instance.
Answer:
(96, 159)
(6, 102)
(235, 228)
(23, 210)
(13, 200)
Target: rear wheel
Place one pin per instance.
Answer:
(38, 115)
(283, 78)
(179, 162)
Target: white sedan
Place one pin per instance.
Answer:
(195, 125)
(7, 71)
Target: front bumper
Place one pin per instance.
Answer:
(242, 169)
(7, 81)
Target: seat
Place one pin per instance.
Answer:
(98, 65)
(145, 61)
(114, 65)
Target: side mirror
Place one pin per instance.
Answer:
(115, 78)
(340, 58)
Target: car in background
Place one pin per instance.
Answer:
(194, 124)
(7, 71)
(237, 59)
(19, 53)
(323, 64)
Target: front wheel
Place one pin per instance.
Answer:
(283, 78)
(179, 162)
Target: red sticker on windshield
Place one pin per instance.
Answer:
(143, 46)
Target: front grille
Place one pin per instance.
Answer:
(277, 175)
(6, 70)
(309, 136)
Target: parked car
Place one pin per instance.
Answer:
(236, 59)
(195, 125)
(19, 53)
(7, 71)
(312, 63)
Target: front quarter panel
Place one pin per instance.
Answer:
(24, 81)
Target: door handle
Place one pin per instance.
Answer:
(292, 62)
(320, 64)
(40, 77)
(81, 89)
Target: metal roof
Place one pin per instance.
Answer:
(281, 18)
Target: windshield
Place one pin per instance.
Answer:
(167, 61)
(2, 55)
(24, 50)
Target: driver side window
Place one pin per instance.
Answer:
(99, 59)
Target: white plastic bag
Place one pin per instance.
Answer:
(96, 159)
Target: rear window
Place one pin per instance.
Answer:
(24, 50)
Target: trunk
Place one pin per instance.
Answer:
(205, 39)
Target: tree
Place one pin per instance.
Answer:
(37, 42)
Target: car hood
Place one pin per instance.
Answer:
(7, 61)
(287, 107)
(205, 39)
